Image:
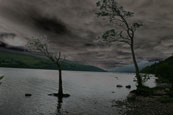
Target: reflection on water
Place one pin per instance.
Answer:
(91, 92)
(59, 104)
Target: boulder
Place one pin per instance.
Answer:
(119, 86)
(128, 86)
(28, 95)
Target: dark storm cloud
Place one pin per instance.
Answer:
(72, 27)
(7, 35)
(50, 25)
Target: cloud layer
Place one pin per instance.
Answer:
(72, 27)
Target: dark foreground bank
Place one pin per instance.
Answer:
(158, 103)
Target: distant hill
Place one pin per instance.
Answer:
(130, 68)
(154, 67)
(18, 59)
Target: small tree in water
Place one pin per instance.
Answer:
(125, 31)
(41, 44)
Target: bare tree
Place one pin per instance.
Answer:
(125, 28)
(41, 44)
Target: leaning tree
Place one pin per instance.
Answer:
(41, 44)
(123, 28)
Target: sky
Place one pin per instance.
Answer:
(72, 27)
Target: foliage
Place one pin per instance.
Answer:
(165, 71)
(117, 15)
(145, 77)
(170, 93)
(162, 70)
(143, 91)
(41, 44)
(165, 100)
(155, 91)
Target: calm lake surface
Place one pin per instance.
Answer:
(92, 93)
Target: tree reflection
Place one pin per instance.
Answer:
(59, 105)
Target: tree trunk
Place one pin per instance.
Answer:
(139, 80)
(60, 91)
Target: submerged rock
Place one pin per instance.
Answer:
(119, 86)
(135, 80)
(28, 95)
(1, 77)
(128, 86)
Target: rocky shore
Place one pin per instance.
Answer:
(148, 106)
(159, 103)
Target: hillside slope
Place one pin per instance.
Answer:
(153, 68)
(16, 59)
(163, 70)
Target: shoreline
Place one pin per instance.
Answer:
(158, 103)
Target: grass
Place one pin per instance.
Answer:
(10, 59)
(166, 99)
(156, 91)
(165, 96)
(144, 91)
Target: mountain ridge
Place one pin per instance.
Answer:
(131, 68)
(17, 59)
